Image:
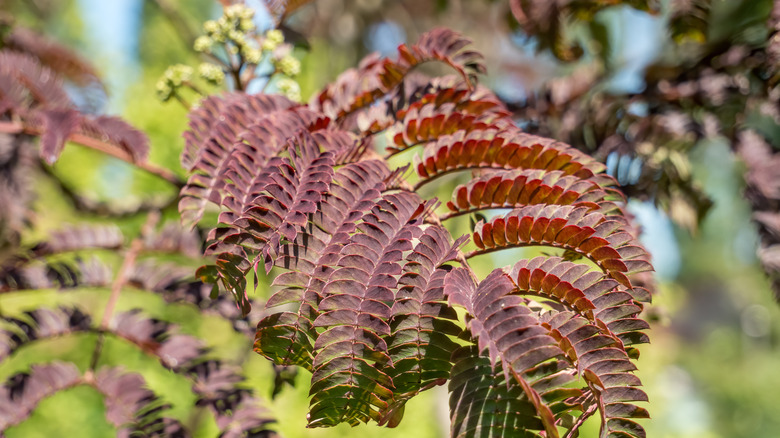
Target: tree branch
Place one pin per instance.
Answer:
(121, 279)
(15, 127)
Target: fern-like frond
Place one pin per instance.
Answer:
(510, 332)
(293, 188)
(591, 337)
(236, 411)
(80, 237)
(55, 56)
(602, 361)
(594, 296)
(425, 123)
(62, 124)
(600, 238)
(419, 345)
(348, 383)
(117, 132)
(177, 284)
(288, 337)
(59, 274)
(58, 125)
(152, 336)
(367, 293)
(22, 392)
(358, 88)
(28, 84)
(40, 323)
(501, 150)
(157, 338)
(238, 110)
(484, 403)
(130, 407)
(512, 189)
(251, 131)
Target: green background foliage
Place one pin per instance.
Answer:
(710, 370)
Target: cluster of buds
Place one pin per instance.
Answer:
(283, 62)
(289, 88)
(234, 30)
(234, 35)
(212, 73)
(172, 80)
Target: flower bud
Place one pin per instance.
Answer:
(211, 73)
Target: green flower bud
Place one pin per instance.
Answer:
(275, 35)
(252, 55)
(211, 73)
(246, 25)
(237, 37)
(203, 44)
(268, 45)
(247, 14)
(164, 90)
(174, 77)
(177, 74)
(211, 27)
(235, 11)
(289, 88)
(289, 66)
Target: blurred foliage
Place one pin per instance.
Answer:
(711, 370)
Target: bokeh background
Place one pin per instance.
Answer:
(711, 369)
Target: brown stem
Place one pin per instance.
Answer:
(268, 81)
(406, 148)
(449, 171)
(194, 88)
(182, 101)
(235, 70)
(573, 432)
(16, 127)
(124, 271)
(136, 247)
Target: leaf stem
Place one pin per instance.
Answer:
(16, 127)
(136, 246)
(573, 432)
(182, 101)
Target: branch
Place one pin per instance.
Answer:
(14, 127)
(453, 170)
(121, 279)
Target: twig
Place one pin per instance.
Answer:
(121, 279)
(194, 88)
(182, 101)
(16, 127)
